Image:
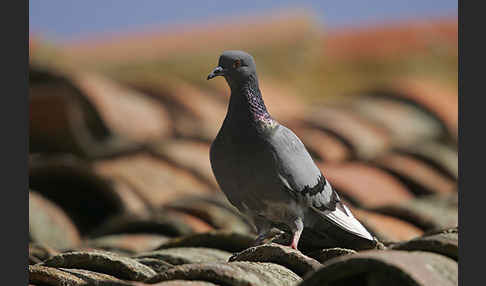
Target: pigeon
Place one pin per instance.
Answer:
(266, 172)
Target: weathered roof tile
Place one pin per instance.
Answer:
(187, 255)
(444, 242)
(221, 239)
(365, 185)
(282, 255)
(49, 224)
(419, 177)
(103, 262)
(387, 267)
(240, 273)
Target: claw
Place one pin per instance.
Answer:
(260, 238)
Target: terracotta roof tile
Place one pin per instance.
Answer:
(364, 137)
(219, 239)
(443, 158)
(446, 109)
(178, 283)
(49, 224)
(402, 37)
(406, 123)
(154, 179)
(216, 215)
(131, 242)
(438, 100)
(126, 111)
(429, 212)
(160, 222)
(322, 145)
(73, 184)
(187, 255)
(233, 273)
(288, 27)
(42, 275)
(365, 185)
(96, 278)
(39, 252)
(417, 176)
(276, 253)
(387, 228)
(190, 155)
(407, 268)
(443, 242)
(195, 113)
(103, 262)
(63, 119)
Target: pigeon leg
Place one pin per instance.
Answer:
(263, 228)
(297, 229)
(261, 237)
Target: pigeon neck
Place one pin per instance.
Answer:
(249, 95)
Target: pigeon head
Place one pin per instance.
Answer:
(236, 66)
(239, 70)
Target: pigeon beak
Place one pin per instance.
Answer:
(216, 72)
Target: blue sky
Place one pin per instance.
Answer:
(62, 20)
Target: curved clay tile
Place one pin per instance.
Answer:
(191, 155)
(443, 158)
(387, 228)
(129, 242)
(103, 262)
(62, 118)
(125, 111)
(434, 98)
(366, 139)
(365, 185)
(88, 198)
(155, 179)
(389, 267)
(194, 112)
(219, 239)
(419, 177)
(445, 242)
(49, 224)
(407, 124)
(236, 273)
(321, 145)
(430, 213)
(293, 259)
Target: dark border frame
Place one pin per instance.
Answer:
(14, 154)
(471, 218)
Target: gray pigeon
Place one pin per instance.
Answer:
(266, 172)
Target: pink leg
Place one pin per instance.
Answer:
(260, 238)
(263, 228)
(299, 227)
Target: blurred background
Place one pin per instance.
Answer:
(122, 116)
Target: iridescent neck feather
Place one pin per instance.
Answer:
(249, 94)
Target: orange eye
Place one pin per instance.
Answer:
(236, 64)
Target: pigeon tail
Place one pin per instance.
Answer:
(343, 218)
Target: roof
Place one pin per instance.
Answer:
(121, 190)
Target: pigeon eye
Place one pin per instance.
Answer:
(236, 64)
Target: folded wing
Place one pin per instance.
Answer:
(303, 179)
